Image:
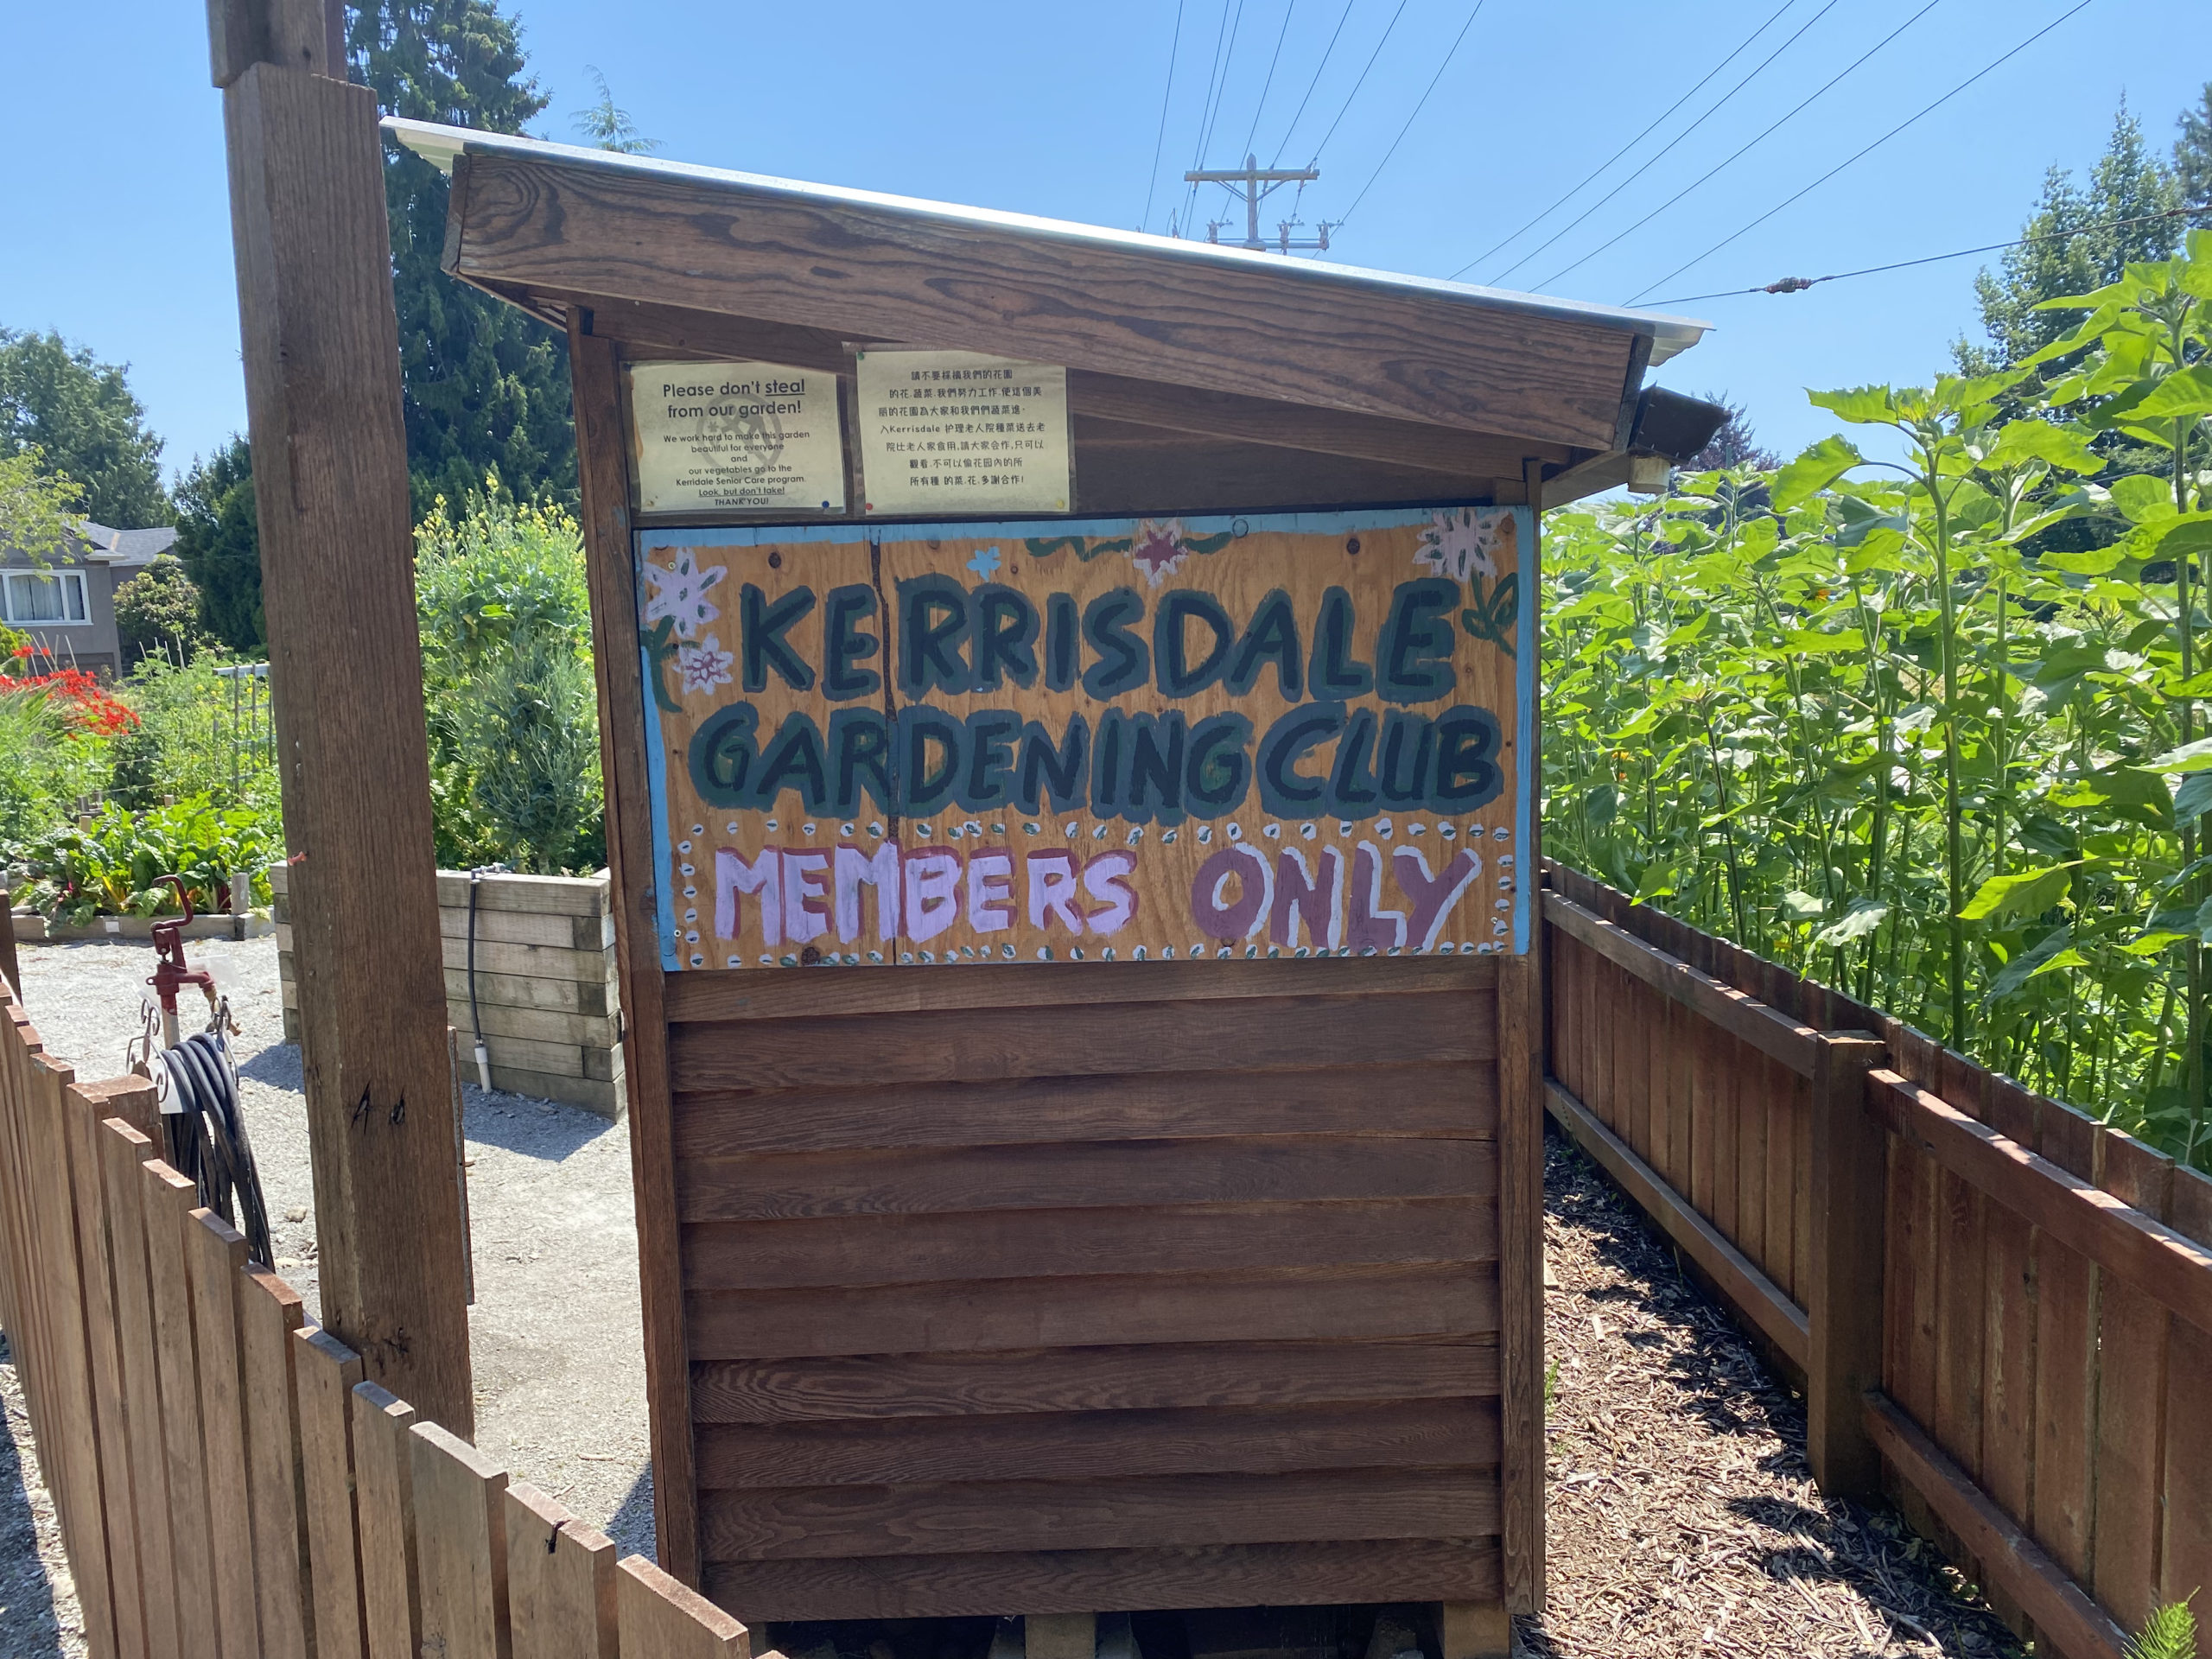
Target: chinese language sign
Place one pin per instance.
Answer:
(954, 432)
(1131, 741)
(750, 436)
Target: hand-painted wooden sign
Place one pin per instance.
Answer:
(1125, 740)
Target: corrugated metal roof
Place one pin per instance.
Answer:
(441, 145)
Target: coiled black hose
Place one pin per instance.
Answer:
(208, 1141)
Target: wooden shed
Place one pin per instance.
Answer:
(1069, 705)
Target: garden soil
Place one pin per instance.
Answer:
(1682, 1518)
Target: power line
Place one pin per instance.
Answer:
(1221, 93)
(1876, 144)
(1594, 172)
(1268, 86)
(1361, 82)
(1800, 107)
(1160, 142)
(1205, 108)
(1415, 116)
(1343, 18)
(1652, 160)
(1799, 284)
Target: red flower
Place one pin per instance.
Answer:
(84, 703)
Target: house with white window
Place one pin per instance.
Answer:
(67, 603)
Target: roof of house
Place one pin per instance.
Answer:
(127, 547)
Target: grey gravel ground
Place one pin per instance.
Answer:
(556, 1336)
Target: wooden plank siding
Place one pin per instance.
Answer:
(1035, 1270)
(2045, 1286)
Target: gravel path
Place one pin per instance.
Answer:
(1682, 1516)
(556, 1336)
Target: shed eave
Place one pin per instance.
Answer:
(440, 145)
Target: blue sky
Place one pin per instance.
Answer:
(120, 235)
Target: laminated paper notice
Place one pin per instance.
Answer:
(753, 436)
(953, 432)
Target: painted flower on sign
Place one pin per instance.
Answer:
(680, 595)
(703, 667)
(1158, 548)
(1459, 542)
(985, 563)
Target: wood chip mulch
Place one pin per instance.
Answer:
(1682, 1517)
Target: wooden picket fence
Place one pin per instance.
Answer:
(227, 1482)
(2006, 1302)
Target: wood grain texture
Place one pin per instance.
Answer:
(1424, 1101)
(1045, 1446)
(1154, 312)
(1845, 1176)
(1109, 1580)
(1749, 1290)
(167, 1197)
(1348, 1304)
(460, 1546)
(1283, 1033)
(710, 995)
(122, 1151)
(2077, 1625)
(561, 1583)
(321, 354)
(1008, 1244)
(96, 1250)
(610, 572)
(1099, 1378)
(325, 1370)
(1520, 1277)
(215, 1256)
(648, 330)
(1129, 1512)
(384, 1474)
(270, 1318)
(660, 1616)
(1260, 1169)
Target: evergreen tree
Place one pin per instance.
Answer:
(2079, 245)
(485, 387)
(219, 542)
(82, 416)
(1733, 444)
(2193, 152)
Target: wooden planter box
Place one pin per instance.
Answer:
(545, 988)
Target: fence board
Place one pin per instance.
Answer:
(561, 1581)
(2186, 1565)
(119, 1500)
(270, 1315)
(168, 1200)
(1961, 1320)
(216, 1254)
(324, 1370)
(384, 1495)
(2131, 1398)
(123, 1150)
(71, 1414)
(460, 1549)
(660, 1618)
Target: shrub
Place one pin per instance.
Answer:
(506, 665)
(198, 733)
(157, 612)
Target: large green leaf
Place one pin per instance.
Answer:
(2024, 892)
(1860, 406)
(1814, 471)
(2144, 497)
(2188, 391)
(2023, 440)
(2189, 757)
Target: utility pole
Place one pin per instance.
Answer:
(1252, 183)
(320, 344)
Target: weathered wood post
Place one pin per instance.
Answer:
(1843, 1302)
(321, 352)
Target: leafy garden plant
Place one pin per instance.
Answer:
(1918, 714)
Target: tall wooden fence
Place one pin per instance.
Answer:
(227, 1482)
(2005, 1302)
